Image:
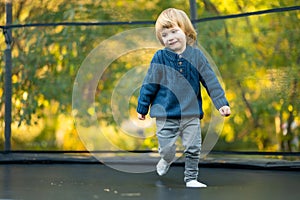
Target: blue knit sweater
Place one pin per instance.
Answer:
(172, 85)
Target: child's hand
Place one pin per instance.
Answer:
(225, 111)
(141, 117)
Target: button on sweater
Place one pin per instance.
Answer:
(171, 88)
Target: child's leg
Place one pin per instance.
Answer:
(167, 134)
(191, 140)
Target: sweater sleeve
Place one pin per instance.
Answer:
(150, 87)
(211, 83)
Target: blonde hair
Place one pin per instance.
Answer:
(172, 17)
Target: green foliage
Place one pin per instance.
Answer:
(257, 56)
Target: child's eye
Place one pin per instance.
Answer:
(174, 31)
(163, 35)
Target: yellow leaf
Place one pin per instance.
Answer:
(91, 111)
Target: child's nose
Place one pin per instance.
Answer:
(170, 38)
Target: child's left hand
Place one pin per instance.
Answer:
(225, 111)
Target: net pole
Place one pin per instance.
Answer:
(193, 12)
(8, 78)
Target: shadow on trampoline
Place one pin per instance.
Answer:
(61, 177)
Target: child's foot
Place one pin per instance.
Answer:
(162, 167)
(195, 184)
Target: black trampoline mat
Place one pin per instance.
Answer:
(96, 181)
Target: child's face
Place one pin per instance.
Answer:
(174, 38)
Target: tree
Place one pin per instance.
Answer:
(257, 56)
(46, 59)
(252, 54)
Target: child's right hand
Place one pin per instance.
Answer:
(141, 117)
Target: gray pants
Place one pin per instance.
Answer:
(189, 130)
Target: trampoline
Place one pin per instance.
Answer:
(52, 176)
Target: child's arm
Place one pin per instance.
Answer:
(210, 81)
(149, 88)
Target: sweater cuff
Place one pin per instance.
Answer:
(220, 103)
(142, 109)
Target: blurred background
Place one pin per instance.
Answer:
(257, 55)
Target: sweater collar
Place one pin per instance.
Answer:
(174, 56)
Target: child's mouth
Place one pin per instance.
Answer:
(172, 43)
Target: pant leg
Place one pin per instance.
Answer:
(191, 140)
(167, 134)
